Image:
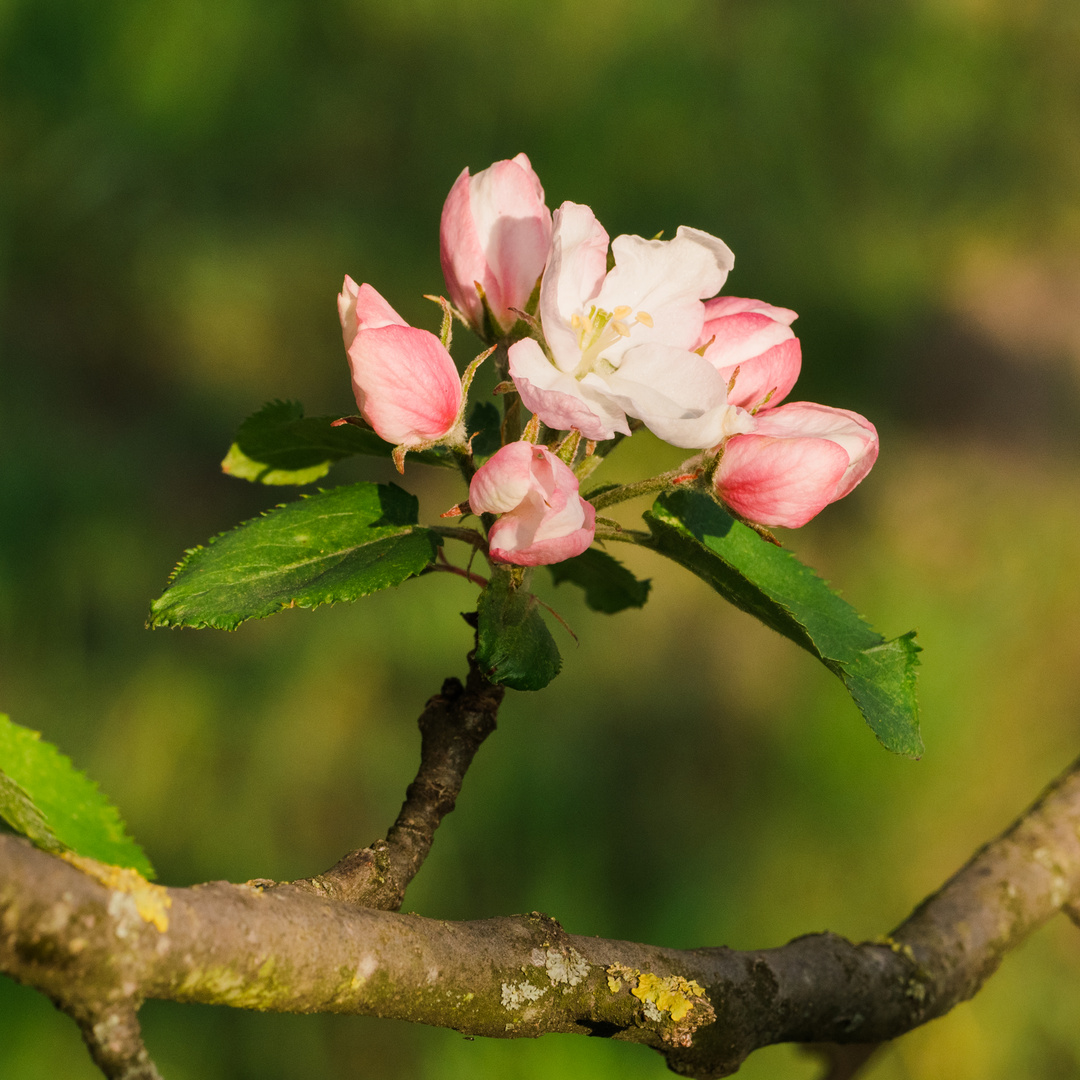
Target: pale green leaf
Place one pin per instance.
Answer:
(44, 796)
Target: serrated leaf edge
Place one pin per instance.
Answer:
(109, 808)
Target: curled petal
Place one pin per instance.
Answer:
(653, 274)
(543, 518)
(560, 400)
(720, 306)
(765, 380)
(752, 342)
(798, 459)
(406, 384)
(360, 307)
(678, 394)
(500, 484)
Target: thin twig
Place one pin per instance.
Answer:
(452, 726)
(114, 1039)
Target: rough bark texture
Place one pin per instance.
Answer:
(98, 947)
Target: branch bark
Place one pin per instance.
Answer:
(82, 941)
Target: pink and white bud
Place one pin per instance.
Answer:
(542, 518)
(752, 343)
(799, 458)
(362, 306)
(406, 385)
(495, 231)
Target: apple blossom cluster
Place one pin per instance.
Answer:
(593, 353)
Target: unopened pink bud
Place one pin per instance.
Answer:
(406, 385)
(542, 517)
(495, 231)
(799, 458)
(752, 343)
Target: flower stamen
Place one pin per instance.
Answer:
(600, 329)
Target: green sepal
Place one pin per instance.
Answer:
(44, 797)
(513, 644)
(279, 445)
(608, 585)
(336, 545)
(772, 585)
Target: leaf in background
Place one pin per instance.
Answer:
(279, 445)
(336, 545)
(513, 645)
(44, 796)
(608, 585)
(485, 425)
(772, 585)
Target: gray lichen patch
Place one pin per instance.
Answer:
(518, 995)
(563, 966)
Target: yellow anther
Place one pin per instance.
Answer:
(644, 318)
(575, 321)
(621, 329)
(620, 312)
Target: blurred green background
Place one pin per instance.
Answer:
(183, 186)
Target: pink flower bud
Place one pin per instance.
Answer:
(496, 231)
(406, 385)
(798, 459)
(753, 343)
(542, 518)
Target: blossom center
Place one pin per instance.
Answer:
(601, 329)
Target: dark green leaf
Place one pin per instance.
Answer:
(279, 445)
(771, 584)
(484, 424)
(44, 796)
(608, 585)
(514, 646)
(337, 545)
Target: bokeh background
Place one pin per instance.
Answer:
(183, 186)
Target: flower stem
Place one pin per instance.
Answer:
(619, 494)
(470, 536)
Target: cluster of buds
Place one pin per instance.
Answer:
(593, 353)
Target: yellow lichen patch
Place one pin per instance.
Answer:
(613, 984)
(896, 946)
(671, 995)
(151, 901)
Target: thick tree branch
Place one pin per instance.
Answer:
(94, 948)
(452, 726)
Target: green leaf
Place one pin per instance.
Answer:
(485, 425)
(43, 796)
(514, 646)
(772, 585)
(336, 545)
(608, 585)
(279, 445)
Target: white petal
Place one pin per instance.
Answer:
(560, 400)
(678, 395)
(575, 271)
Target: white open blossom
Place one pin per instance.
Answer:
(621, 343)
